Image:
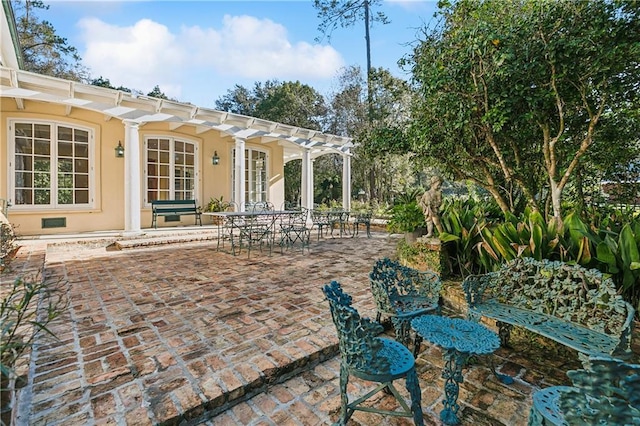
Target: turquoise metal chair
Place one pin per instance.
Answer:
(606, 392)
(371, 358)
(403, 293)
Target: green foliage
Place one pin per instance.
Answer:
(608, 241)
(334, 14)
(217, 205)
(515, 95)
(43, 50)
(420, 256)
(8, 244)
(27, 308)
(406, 217)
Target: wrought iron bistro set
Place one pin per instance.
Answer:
(574, 306)
(261, 226)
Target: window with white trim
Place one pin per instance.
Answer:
(255, 175)
(52, 165)
(171, 169)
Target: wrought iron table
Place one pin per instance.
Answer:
(460, 339)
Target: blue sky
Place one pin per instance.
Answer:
(197, 50)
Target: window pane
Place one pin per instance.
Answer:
(82, 166)
(82, 197)
(24, 179)
(24, 146)
(164, 144)
(42, 147)
(164, 170)
(82, 181)
(24, 196)
(65, 165)
(65, 133)
(42, 131)
(42, 196)
(65, 196)
(23, 162)
(65, 180)
(24, 129)
(41, 180)
(82, 150)
(81, 135)
(152, 144)
(179, 159)
(42, 164)
(164, 157)
(152, 156)
(65, 149)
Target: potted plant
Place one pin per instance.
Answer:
(408, 218)
(217, 205)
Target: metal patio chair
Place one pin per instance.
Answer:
(364, 219)
(320, 220)
(371, 358)
(403, 293)
(294, 228)
(606, 392)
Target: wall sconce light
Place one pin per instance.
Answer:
(215, 160)
(119, 150)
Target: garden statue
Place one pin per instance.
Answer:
(430, 204)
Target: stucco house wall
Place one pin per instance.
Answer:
(107, 211)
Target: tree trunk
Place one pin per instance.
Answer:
(556, 202)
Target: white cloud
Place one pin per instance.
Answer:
(148, 53)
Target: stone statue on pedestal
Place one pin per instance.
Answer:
(430, 204)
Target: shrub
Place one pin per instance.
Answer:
(8, 245)
(607, 240)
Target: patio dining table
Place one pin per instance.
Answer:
(252, 227)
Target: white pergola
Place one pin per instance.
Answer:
(135, 111)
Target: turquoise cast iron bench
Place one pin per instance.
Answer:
(403, 293)
(574, 306)
(606, 392)
(174, 208)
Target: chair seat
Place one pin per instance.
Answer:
(400, 359)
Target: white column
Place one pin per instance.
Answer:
(307, 180)
(240, 184)
(346, 181)
(311, 180)
(132, 186)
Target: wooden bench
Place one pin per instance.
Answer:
(569, 304)
(174, 208)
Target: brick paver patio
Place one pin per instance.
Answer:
(185, 334)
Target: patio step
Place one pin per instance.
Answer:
(133, 243)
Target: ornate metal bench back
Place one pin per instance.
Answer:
(570, 292)
(607, 392)
(359, 347)
(390, 281)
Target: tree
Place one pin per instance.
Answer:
(104, 82)
(513, 95)
(334, 13)
(44, 51)
(379, 172)
(157, 93)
